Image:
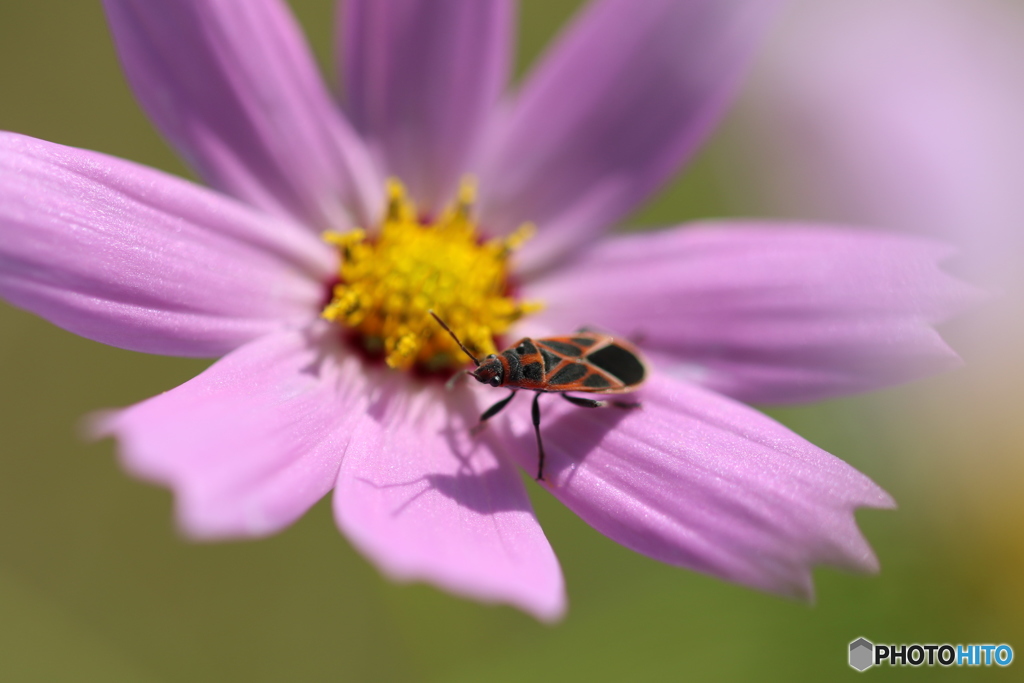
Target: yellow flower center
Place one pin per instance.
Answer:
(389, 281)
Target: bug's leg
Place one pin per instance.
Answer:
(491, 412)
(497, 407)
(593, 403)
(636, 337)
(454, 379)
(536, 430)
(584, 402)
(626, 404)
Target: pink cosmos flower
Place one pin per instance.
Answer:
(727, 312)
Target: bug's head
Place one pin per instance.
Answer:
(490, 371)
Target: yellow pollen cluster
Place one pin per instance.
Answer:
(391, 280)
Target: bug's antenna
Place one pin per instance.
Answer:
(461, 345)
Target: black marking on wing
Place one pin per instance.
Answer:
(619, 362)
(585, 342)
(596, 381)
(569, 374)
(533, 372)
(550, 360)
(563, 348)
(526, 347)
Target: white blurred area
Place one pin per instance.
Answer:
(900, 114)
(909, 115)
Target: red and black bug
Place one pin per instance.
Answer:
(587, 361)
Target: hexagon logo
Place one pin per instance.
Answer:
(861, 654)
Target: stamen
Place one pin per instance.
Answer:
(390, 281)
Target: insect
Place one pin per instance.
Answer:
(587, 361)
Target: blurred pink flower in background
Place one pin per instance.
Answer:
(764, 312)
(904, 114)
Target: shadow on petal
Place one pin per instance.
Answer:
(426, 501)
(466, 488)
(588, 427)
(472, 475)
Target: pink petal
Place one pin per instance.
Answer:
(139, 259)
(427, 502)
(767, 312)
(234, 87)
(699, 481)
(249, 445)
(421, 77)
(616, 107)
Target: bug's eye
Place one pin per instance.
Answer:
(521, 350)
(495, 382)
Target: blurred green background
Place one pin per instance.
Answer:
(95, 584)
